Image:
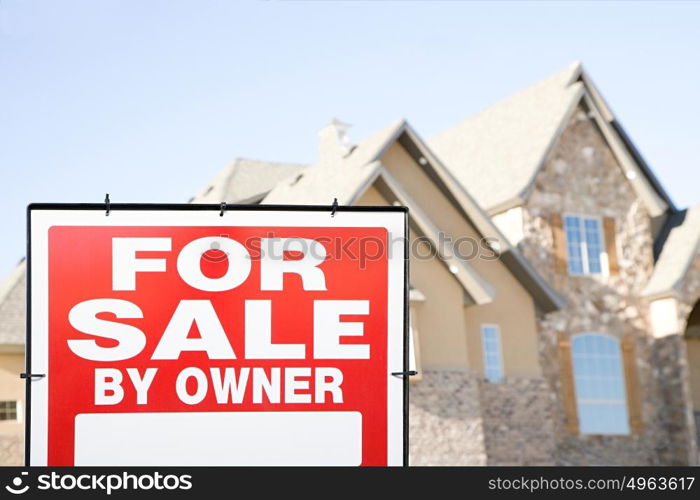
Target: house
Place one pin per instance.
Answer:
(556, 172)
(553, 283)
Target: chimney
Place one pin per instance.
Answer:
(333, 142)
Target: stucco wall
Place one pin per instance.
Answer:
(457, 418)
(12, 389)
(688, 293)
(11, 450)
(439, 319)
(513, 308)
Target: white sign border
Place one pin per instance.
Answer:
(42, 217)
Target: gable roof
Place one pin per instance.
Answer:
(12, 308)
(245, 181)
(676, 257)
(348, 179)
(498, 152)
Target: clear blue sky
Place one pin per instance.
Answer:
(147, 100)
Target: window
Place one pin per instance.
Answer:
(584, 244)
(600, 384)
(9, 410)
(493, 361)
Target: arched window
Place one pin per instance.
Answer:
(600, 384)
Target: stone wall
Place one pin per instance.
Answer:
(517, 421)
(696, 416)
(581, 176)
(11, 450)
(445, 420)
(675, 412)
(457, 418)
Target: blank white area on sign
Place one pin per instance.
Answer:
(218, 438)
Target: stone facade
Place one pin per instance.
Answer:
(675, 410)
(445, 420)
(509, 409)
(457, 418)
(581, 176)
(696, 416)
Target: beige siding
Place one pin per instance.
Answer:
(513, 308)
(439, 320)
(12, 388)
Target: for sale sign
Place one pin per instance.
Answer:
(183, 335)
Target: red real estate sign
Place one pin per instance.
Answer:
(179, 337)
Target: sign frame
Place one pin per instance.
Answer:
(218, 209)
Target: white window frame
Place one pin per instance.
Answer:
(624, 384)
(604, 268)
(496, 327)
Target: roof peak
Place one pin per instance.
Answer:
(499, 151)
(562, 79)
(509, 139)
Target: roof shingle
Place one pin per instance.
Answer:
(497, 152)
(246, 181)
(12, 307)
(319, 184)
(677, 255)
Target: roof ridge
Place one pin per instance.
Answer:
(573, 69)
